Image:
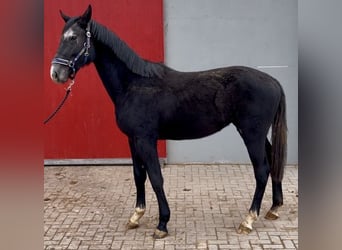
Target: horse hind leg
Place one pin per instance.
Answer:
(273, 214)
(277, 192)
(255, 144)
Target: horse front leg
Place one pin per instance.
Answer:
(146, 149)
(139, 179)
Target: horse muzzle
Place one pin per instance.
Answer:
(59, 73)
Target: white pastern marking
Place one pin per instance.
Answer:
(68, 33)
(138, 213)
(251, 217)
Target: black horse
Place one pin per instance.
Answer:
(156, 102)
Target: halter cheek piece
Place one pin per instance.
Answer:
(71, 63)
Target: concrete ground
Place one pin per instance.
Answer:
(88, 207)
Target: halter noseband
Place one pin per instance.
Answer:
(71, 63)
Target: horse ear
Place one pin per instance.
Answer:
(65, 17)
(85, 18)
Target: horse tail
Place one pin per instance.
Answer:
(279, 141)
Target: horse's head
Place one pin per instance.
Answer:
(75, 49)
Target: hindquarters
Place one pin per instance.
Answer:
(260, 104)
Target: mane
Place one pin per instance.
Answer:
(135, 63)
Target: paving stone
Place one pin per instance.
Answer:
(88, 208)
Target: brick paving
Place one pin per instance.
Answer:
(88, 208)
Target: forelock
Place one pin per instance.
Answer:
(70, 23)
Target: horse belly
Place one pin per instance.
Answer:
(190, 128)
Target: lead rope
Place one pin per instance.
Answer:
(67, 93)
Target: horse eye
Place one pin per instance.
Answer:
(73, 38)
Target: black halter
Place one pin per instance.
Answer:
(71, 63)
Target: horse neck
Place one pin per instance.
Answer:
(113, 72)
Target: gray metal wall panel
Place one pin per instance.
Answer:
(204, 34)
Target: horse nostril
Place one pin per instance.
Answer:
(54, 75)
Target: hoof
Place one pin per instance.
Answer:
(271, 215)
(158, 234)
(131, 225)
(246, 226)
(243, 229)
